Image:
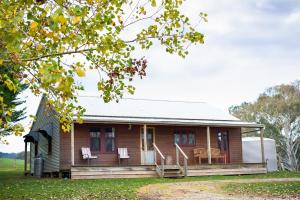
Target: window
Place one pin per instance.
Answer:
(103, 140)
(36, 145)
(49, 146)
(95, 144)
(192, 139)
(184, 137)
(109, 140)
(177, 138)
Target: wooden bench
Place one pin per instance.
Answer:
(201, 153)
(216, 154)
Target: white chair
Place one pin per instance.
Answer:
(86, 154)
(123, 154)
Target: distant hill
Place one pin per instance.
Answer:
(8, 155)
(19, 155)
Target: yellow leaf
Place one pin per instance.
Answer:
(29, 43)
(50, 34)
(76, 19)
(91, 2)
(11, 86)
(1, 62)
(63, 28)
(33, 25)
(62, 19)
(61, 49)
(39, 47)
(80, 72)
(9, 113)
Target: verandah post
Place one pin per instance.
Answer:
(30, 158)
(262, 146)
(145, 143)
(185, 167)
(177, 155)
(72, 144)
(208, 144)
(25, 159)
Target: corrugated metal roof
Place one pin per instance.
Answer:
(156, 111)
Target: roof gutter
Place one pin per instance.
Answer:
(157, 121)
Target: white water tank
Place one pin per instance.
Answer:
(252, 152)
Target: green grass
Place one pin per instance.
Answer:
(278, 189)
(8, 164)
(14, 185)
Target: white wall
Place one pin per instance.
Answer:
(252, 152)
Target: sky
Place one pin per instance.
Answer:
(250, 45)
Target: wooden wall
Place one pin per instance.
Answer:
(45, 118)
(130, 138)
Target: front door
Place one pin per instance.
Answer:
(223, 143)
(148, 157)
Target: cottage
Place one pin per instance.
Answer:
(141, 138)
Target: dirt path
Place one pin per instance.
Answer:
(200, 190)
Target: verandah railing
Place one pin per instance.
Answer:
(159, 168)
(185, 158)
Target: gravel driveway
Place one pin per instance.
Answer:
(200, 190)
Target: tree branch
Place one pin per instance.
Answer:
(52, 55)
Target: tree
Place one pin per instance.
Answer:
(278, 108)
(9, 121)
(53, 42)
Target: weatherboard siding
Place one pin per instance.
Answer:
(127, 137)
(44, 118)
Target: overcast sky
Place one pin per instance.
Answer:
(250, 45)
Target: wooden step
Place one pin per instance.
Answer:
(127, 168)
(172, 171)
(89, 173)
(174, 176)
(112, 172)
(114, 176)
(240, 171)
(170, 167)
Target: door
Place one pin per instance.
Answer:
(223, 143)
(147, 159)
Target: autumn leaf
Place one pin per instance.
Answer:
(10, 85)
(62, 19)
(76, 19)
(50, 34)
(33, 25)
(80, 72)
(39, 47)
(153, 3)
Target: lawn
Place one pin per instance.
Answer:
(13, 185)
(279, 189)
(11, 164)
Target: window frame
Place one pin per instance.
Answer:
(102, 140)
(186, 132)
(90, 139)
